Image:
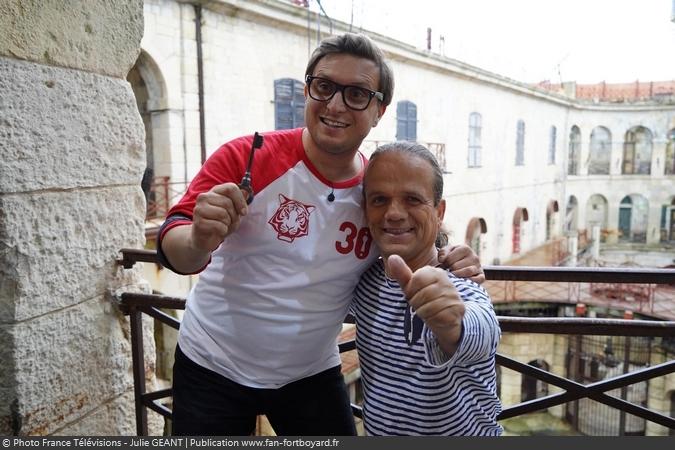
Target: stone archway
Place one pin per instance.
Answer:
(572, 215)
(519, 216)
(551, 219)
(633, 216)
(474, 231)
(596, 214)
(149, 87)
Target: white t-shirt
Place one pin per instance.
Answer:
(268, 308)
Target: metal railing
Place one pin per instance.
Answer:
(162, 195)
(134, 305)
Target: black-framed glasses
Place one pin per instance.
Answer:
(355, 97)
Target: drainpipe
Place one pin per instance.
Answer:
(200, 80)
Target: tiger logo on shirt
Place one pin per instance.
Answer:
(291, 220)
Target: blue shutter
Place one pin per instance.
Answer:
(289, 104)
(412, 122)
(406, 121)
(298, 104)
(520, 143)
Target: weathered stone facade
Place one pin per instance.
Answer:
(72, 148)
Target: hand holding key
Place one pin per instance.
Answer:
(245, 184)
(216, 215)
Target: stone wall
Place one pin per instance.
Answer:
(71, 143)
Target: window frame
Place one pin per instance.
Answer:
(474, 144)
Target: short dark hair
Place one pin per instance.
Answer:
(361, 46)
(420, 151)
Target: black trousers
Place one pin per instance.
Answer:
(208, 404)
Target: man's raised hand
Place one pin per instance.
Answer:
(216, 215)
(434, 299)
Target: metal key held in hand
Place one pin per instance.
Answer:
(246, 180)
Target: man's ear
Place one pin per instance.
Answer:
(440, 211)
(380, 113)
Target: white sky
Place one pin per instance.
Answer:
(587, 41)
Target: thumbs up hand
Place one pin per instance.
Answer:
(433, 297)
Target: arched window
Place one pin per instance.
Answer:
(520, 143)
(474, 230)
(668, 221)
(552, 138)
(289, 104)
(625, 211)
(633, 215)
(149, 87)
(475, 124)
(519, 217)
(571, 214)
(406, 121)
(551, 215)
(596, 214)
(600, 151)
(670, 154)
(574, 151)
(141, 92)
(637, 151)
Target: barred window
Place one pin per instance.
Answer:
(553, 136)
(574, 151)
(637, 151)
(670, 153)
(520, 143)
(599, 157)
(475, 124)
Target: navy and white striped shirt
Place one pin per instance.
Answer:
(417, 389)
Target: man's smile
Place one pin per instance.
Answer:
(397, 231)
(333, 123)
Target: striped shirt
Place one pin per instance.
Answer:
(418, 389)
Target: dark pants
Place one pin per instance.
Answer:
(208, 404)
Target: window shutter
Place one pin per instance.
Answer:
(406, 121)
(289, 104)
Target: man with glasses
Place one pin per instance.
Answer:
(277, 275)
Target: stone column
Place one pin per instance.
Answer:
(71, 143)
(595, 242)
(573, 247)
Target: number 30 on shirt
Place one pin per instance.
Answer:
(355, 239)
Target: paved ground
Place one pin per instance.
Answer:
(537, 424)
